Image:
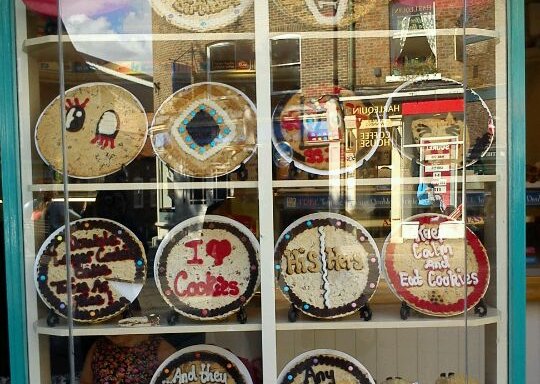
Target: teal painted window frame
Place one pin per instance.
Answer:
(516, 184)
(11, 188)
(11, 184)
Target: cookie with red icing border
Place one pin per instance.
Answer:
(207, 267)
(429, 271)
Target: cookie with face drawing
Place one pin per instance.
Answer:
(105, 129)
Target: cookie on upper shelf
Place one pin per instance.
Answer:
(207, 267)
(325, 13)
(201, 364)
(108, 270)
(105, 129)
(335, 366)
(201, 15)
(427, 263)
(327, 265)
(323, 135)
(205, 130)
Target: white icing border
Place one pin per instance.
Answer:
(327, 20)
(200, 23)
(200, 220)
(57, 98)
(317, 352)
(306, 168)
(60, 231)
(205, 348)
(395, 93)
(227, 122)
(168, 99)
(326, 284)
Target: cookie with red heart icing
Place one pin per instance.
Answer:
(207, 267)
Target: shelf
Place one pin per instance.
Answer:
(384, 317)
(144, 186)
(184, 325)
(34, 43)
(252, 184)
(338, 181)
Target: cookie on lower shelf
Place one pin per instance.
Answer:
(207, 267)
(427, 265)
(108, 270)
(325, 364)
(200, 364)
(327, 265)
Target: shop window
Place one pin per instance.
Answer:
(413, 45)
(286, 59)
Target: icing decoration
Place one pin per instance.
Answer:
(327, 12)
(105, 129)
(324, 366)
(208, 267)
(205, 130)
(430, 272)
(323, 135)
(108, 270)
(201, 15)
(324, 268)
(199, 364)
(326, 284)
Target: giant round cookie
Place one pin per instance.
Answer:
(108, 269)
(207, 267)
(200, 364)
(324, 12)
(205, 130)
(324, 366)
(428, 271)
(327, 265)
(201, 15)
(105, 129)
(441, 119)
(323, 135)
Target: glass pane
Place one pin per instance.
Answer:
(329, 176)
